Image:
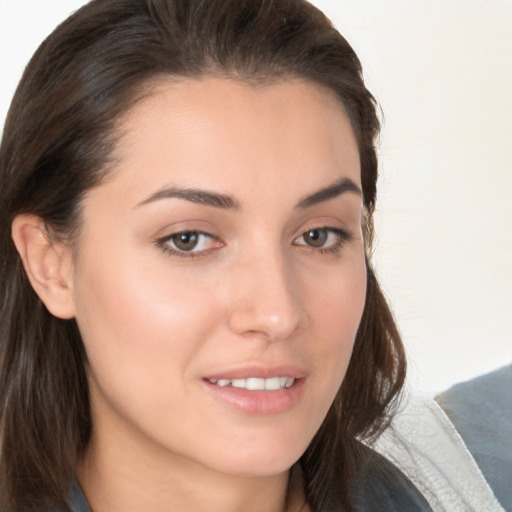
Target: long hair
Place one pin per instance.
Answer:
(57, 144)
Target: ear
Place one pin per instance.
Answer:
(47, 262)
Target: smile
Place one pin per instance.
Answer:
(256, 384)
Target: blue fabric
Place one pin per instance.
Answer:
(481, 410)
(77, 501)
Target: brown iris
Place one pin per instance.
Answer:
(316, 237)
(186, 241)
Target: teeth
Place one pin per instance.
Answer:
(257, 384)
(254, 384)
(238, 383)
(273, 384)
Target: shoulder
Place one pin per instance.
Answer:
(424, 444)
(380, 485)
(488, 395)
(481, 410)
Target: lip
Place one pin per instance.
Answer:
(262, 403)
(260, 372)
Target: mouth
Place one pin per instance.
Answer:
(256, 383)
(258, 391)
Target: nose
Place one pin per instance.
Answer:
(265, 299)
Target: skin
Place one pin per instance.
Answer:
(254, 293)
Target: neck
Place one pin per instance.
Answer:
(116, 479)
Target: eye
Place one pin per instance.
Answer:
(316, 237)
(325, 239)
(188, 243)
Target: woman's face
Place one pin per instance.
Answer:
(220, 276)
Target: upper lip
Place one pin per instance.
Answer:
(259, 372)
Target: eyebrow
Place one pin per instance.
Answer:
(222, 201)
(330, 192)
(194, 195)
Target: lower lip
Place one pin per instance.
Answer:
(258, 402)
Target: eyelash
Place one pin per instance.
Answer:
(342, 238)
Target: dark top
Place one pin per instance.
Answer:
(380, 487)
(481, 410)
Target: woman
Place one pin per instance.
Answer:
(190, 319)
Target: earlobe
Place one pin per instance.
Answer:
(47, 262)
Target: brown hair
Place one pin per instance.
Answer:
(57, 141)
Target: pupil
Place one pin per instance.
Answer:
(186, 241)
(316, 237)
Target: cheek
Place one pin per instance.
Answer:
(142, 334)
(335, 309)
(336, 299)
(134, 322)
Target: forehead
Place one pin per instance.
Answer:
(215, 131)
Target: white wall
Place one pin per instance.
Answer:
(442, 71)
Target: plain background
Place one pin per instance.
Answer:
(442, 73)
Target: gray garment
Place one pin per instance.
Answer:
(77, 500)
(380, 487)
(481, 410)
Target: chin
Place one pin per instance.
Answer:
(259, 459)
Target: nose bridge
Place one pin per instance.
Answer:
(265, 300)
